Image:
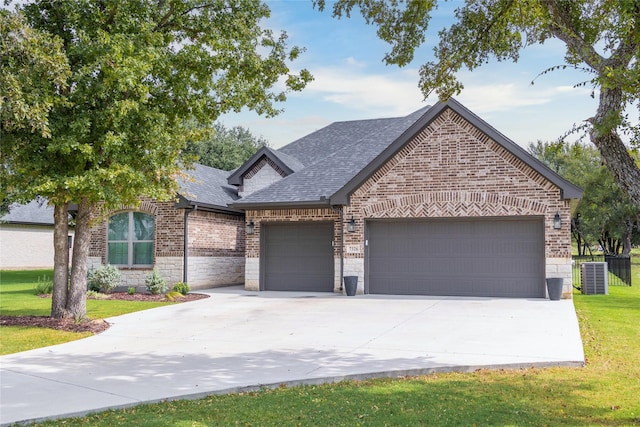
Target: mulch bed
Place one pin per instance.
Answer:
(93, 326)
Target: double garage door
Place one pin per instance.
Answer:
(457, 257)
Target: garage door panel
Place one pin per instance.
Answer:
(469, 257)
(298, 257)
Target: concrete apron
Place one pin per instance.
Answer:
(240, 340)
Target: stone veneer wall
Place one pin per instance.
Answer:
(264, 173)
(450, 169)
(216, 247)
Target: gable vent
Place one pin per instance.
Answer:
(594, 278)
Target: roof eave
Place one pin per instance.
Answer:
(303, 204)
(42, 224)
(184, 203)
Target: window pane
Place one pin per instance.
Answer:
(119, 226)
(143, 253)
(118, 253)
(143, 226)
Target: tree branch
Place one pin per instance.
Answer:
(562, 27)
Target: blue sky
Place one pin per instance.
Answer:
(351, 81)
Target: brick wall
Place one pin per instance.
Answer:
(169, 236)
(216, 246)
(215, 234)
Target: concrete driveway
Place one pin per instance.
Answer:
(238, 340)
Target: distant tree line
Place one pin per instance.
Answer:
(605, 216)
(224, 148)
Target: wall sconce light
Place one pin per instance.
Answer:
(557, 221)
(250, 227)
(351, 225)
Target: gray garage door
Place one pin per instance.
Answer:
(297, 257)
(467, 257)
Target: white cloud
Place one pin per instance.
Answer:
(496, 97)
(349, 87)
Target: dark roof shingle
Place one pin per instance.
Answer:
(36, 212)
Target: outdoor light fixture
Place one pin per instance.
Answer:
(557, 221)
(351, 225)
(250, 227)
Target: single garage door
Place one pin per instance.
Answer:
(457, 257)
(297, 257)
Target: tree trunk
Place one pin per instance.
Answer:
(60, 261)
(614, 153)
(626, 238)
(77, 300)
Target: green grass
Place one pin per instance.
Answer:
(605, 392)
(14, 339)
(17, 298)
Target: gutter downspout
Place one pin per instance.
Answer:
(341, 245)
(186, 243)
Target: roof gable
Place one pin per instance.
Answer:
(285, 162)
(567, 189)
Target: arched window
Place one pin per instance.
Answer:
(130, 239)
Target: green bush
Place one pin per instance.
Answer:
(156, 283)
(104, 279)
(181, 287)
(96, 295)
(44, 286)
(131, 290)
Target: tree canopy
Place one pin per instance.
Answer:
(602, 38)
(33, 68)
(605, 214)
(139, 71)
(225, 149)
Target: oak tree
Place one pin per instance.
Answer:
(140, 70)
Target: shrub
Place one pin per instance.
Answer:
(104, 279)
(96, 295)
(156, 283)
(44, 286)
(171, 296)
(131, 290)
(181, 287)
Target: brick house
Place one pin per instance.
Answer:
(434, 203)
(197, 239)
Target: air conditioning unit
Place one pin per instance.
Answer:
(594, 278)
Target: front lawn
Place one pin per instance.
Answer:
(17, 298)
(605, 392)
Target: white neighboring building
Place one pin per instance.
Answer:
(26, 236)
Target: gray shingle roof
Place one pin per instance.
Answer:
(341, 156)
(35, 212)
(333, 156)
(208, 187)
